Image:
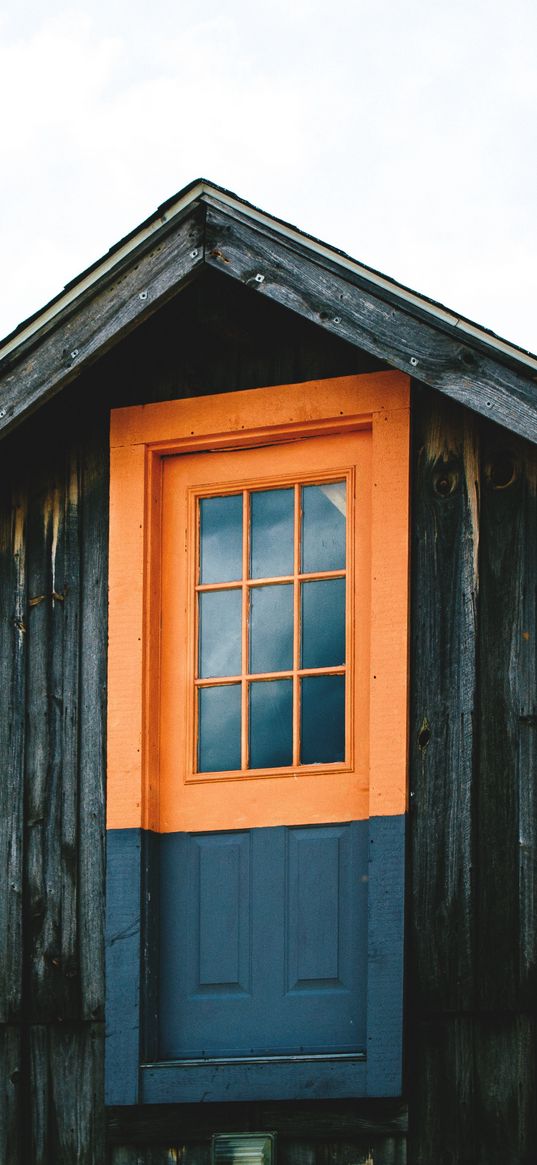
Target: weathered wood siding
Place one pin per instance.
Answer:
(472, 905)
(52, 677)
(472, 918)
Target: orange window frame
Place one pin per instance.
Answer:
(143, 440)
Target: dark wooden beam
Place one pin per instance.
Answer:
(353, 309)
(192, 1122)
(99, 317)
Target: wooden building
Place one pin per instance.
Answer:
(320, 923)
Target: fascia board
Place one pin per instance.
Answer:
(206, 191)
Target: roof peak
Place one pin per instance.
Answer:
(201, 188)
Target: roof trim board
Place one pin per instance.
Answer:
(94, 323)
(202, 189)
(417, 336)
(384, 328)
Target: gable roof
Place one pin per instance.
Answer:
(205, 225)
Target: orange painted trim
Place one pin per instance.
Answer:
(389, 614)
(126, 609)
(140, 437)
(226, 419)
(272, 796)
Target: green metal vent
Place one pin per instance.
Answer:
(244, 1149)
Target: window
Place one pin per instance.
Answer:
(270, 619)
(257, 743)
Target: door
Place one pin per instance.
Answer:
(264, 750)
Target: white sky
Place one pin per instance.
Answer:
(402, 131)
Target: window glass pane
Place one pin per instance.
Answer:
(271, 628)
(322, 719)
(323, 623)
(271, 724)
(271, 532)
(323, 526)
(221, 539)
(220, 638)
(219, 734)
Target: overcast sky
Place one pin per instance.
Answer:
(402, 131)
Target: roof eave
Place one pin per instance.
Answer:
(202, 189)
(208, 226)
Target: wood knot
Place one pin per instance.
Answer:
(501, 470)
(424, 734)
(445, 480)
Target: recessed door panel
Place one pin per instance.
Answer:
(263, 939)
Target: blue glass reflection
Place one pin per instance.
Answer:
(322, 719)
(323, 623)
(221, 539)
(219, 734)
(271, 628)
(271, 532)
(323, 526)
(220, 640)
(271, 724)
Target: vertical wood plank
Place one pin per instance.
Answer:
(527, 746)
(76, 1095)
(527, 858)
(13, 639)
(441, 1112)
(92, 720)
(443, 681)
(506, 1115)
(36, 1130)
(58, 989)
(70, 739)
(42, 804)
(506, 825)
(11, 1089)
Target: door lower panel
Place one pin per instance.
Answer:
(263, 942)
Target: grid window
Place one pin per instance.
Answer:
(271, 619)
